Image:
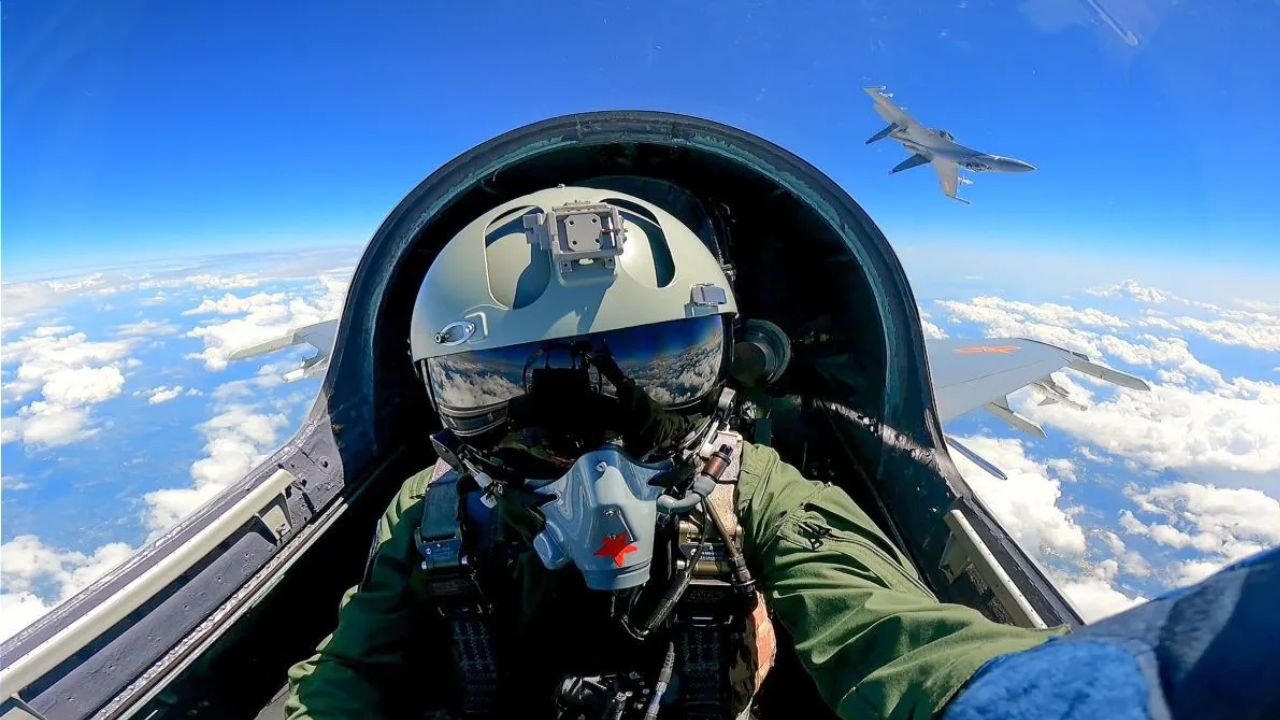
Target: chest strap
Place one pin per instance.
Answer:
(452, 584)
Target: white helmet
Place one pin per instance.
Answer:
(588, 282)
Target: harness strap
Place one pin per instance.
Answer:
(451, 583)
(711, 624)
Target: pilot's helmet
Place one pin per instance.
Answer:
(571, 318)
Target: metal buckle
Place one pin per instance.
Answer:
(450, 578)
(441, 553)
(707, 603)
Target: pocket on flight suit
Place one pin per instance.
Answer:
(830, 520)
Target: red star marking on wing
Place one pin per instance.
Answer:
(615, 546)
(996, 349)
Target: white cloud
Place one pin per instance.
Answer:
(1027, 503)
(1132, 289)
(1235, 427)
(1258, 326)
(193, 392)
(1234, 522)
(993, 310)
(266, 317)
(46, 425)
(1250, 329)
(1196, 419)
(163, 394)
(1127, 560)
(1062, 468)
(158, 299)
(230, 304)
(1222, 525)
(1191, 572)
(239, 280)
(146, 327)
(1145, 350)
(10, 483)
(18, 610)
(1157, 322)
(71, 372)
(27, 302)
(1027, 506)
(1089, 454)
(202, 281)
(10, 323)
(931, 331)
(37, 576)
(1096, 598)
(48, 351)
(236, 440)
(1256, 306)
(72, 387)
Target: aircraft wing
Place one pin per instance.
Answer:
(972, 374)
(949, 178)
(891, 113)
(321, 336)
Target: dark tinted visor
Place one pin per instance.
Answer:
(676, 364)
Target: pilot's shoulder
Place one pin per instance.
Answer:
(412, 490)
(759, 462)
(415, 487)
(766, 477)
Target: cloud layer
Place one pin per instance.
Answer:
(265, 317)
(71, 373)
(1200, 451)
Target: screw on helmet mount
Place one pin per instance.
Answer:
(577, 234)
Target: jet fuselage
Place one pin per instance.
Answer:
(933, 145)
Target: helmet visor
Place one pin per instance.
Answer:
(675, 365)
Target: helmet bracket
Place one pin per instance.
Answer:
(578, 234)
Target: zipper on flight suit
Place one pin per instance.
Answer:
(817, 533)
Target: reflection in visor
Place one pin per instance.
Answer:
(675, 363)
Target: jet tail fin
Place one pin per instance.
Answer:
(882, 134)
(914, 161)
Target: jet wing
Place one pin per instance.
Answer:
(949, 177)
(321, 336)
(890, 112)
(972, 374)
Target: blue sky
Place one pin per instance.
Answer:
(155, 150)
(152, 129)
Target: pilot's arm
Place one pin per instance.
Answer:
(874, 639)
(360, 671)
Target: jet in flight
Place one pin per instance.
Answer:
(936, 147)
(832, 362)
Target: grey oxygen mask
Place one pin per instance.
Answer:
(602, 518)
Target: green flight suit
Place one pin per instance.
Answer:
(873, 637)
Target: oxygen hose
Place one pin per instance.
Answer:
(664, 679)
(742, 581)
(669, 600)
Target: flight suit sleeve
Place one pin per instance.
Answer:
(876, 641)
(357, 670)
